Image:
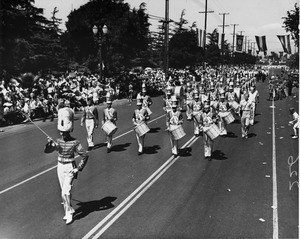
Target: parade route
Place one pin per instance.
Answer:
(248, 190)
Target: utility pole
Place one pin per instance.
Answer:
(223, 35)
(204, 34)
(166, 53)
(233, 35)
(246, 44)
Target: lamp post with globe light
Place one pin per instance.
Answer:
(99, 36)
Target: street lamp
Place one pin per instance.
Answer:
(100, 41)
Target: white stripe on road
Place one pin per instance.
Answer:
(28, 179)
(119, 136)
(275, 210)
(49, 169)
(118, 211)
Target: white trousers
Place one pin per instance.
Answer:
(90, 125)
(66, 179)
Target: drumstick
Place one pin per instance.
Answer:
(36, 125)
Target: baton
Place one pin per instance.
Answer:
(36, 125)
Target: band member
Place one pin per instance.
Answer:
(174, 119)
(245, 111)
(222, 109)
(232, 98)
(295, 121)
(146, 100)
(109, 114)
(188, 100)
(67, 147)
(167, 100)
(140, 116)
(91, 120)
(196, 107)
(254, 98)
(130, 92)
(207, 119)
(213, 96)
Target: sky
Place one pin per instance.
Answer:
(254, 17)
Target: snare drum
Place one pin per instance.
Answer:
(109, 128)
(178, 132)
(141, 129)
(228, 118)
(212, 132)
(234, 105)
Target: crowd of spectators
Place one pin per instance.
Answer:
(39, 96)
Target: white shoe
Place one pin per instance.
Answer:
(295, 137)
(69, 218)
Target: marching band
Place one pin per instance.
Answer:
(210, 106)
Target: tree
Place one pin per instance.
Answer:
(127, 40)
(183, 49)
(28, 41)
(291, 23)
(213, 51)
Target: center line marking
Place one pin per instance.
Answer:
(119, 210)
(275, 210)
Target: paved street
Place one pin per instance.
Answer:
(154, 195)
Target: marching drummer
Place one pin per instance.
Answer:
(232, 98)
(212, 96)
(207, 119)
(174, 120)
(188, 100)
(254, 98)
(146, 100)
(196, 107)
(167, 100)
(140, 117)
(67, 170)
(91, 120)
(109, 114)
(222, 109)
(245, 111)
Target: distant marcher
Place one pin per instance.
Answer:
(91, 120)
(109, 123)
(295, 121)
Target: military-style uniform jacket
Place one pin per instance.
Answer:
(110, 114)
(140, 116)
(90, 112)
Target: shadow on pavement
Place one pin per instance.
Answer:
(85, 208)
(237, 121)
(231, 135)
(154, 130)
(97, 146)
(120, 147)
(186, 152)
(251, 135)
(151, 149)
(218, 155)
